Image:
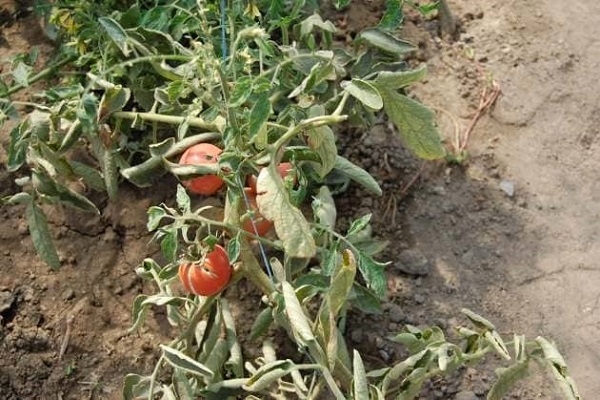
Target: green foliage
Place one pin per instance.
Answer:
(158, 79)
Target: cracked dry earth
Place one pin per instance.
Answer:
(527, 260)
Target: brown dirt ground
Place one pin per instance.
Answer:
(526, 261)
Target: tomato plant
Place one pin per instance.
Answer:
(208, 276)
(202, 154)
(266, 81)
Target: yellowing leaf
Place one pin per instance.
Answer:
(290, 224)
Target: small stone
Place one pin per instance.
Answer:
(356, 336)
(508, 187)
(466, 395)
(68, 294)
(396, 314)
(413, 262)
(384, 355)
(379, 343)
(419, 298)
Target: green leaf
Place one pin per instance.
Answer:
(359, 224)
(393, 16)
(90, 175)
(399, 79)
(360, 384)
(17, 149)
(110, 173)
(358, 175)
(233, 249)
(259, 114)
(241, 91)
(365, 300)
(46, 185)
(116, 33)
(386, 42)
(290, 224)
(155, 215)
(341, 3)
(169, 246)
(40, 235)
(262, 323)
(87, 112)
(364, 92)
(507, 378)
(323, 207)
(415, 124)
(138, 312)
(297, 319)
(19, 198)
(179, 360)
(373, 272)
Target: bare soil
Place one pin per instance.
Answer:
(460, 237)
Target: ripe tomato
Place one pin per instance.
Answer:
(262, 224)
(202, 154)
(284, 170)
(210, 276)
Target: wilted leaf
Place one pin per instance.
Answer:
(21, 74)
(360, 383)
(364, 92)
(268, 374)
(183, 199)
(365, 300)
(290, 224)
(559, 369)
(40, 235)
(116, 33)
(179, 360)
(399, 79)
(386, 42)
(169, 246)
(323, 207)
(298, 320)
(415, 124)
(341, 283)
(113, 99)
(90, 175)
(358, 175)
(507, 378)
(322, 140)
(110, 173)
(136, 387)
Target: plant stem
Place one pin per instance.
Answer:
(42, 74)
(153, 377)
(306, 123)
(167, 119)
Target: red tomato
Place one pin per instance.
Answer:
(284, 170)
(262, 224)
(210, 276)
(202, 154)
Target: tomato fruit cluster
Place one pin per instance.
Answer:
(202, 154)
(209, 276)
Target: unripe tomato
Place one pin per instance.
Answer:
(262, 224)
(284, 170)
(208, 277)
(202, 154)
